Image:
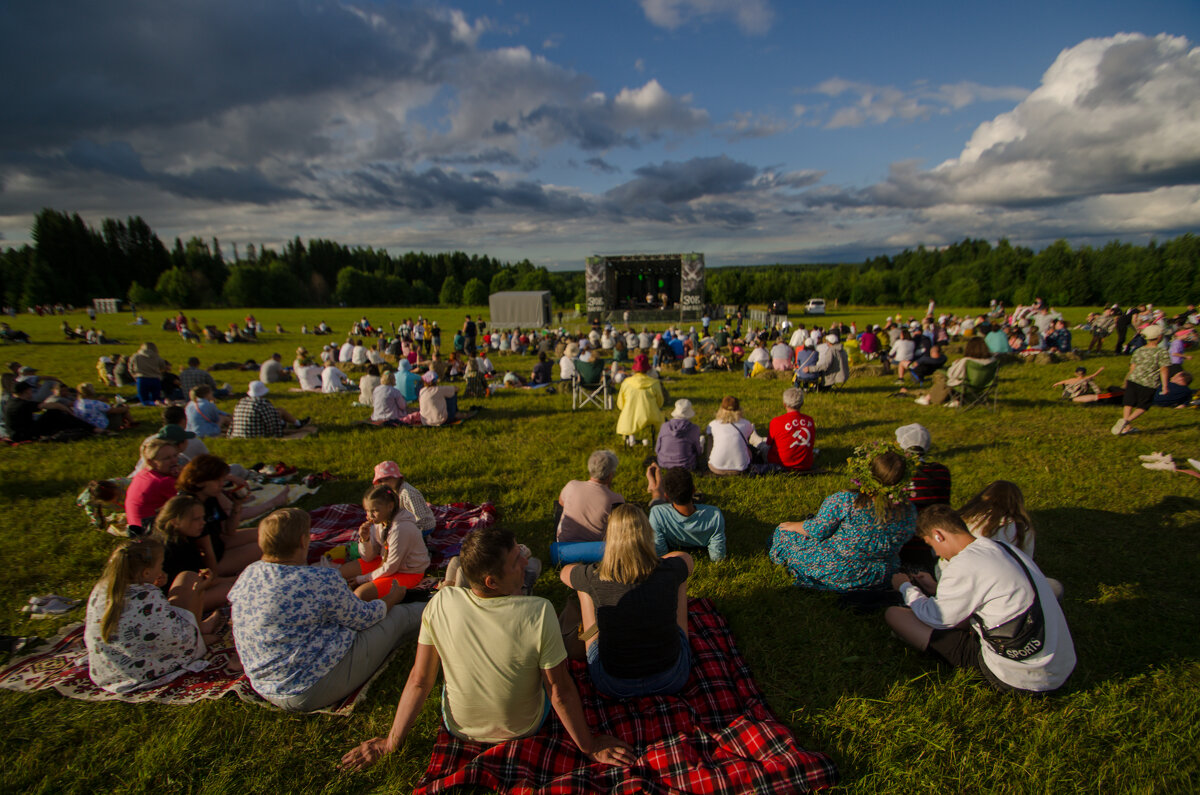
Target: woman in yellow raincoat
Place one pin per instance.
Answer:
(640, 401)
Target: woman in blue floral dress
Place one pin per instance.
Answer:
(853, 541)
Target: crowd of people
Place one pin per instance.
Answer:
(961, 585)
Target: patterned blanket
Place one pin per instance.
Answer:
(716, 736)
(63, 666)
(333, 525)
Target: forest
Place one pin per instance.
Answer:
(71, 262)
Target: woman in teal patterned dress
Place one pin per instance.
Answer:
(853, 541)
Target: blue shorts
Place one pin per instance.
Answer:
(669, 681)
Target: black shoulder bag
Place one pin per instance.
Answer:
(1021, 637)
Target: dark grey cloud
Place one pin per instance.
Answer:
(677, 182)
(602, 166)
(75, 67)
(436, 190)
(581, 125)
(493, 156)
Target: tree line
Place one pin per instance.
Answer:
(71, 262)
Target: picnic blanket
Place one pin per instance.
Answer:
(62, 666)
(333, 525)
(716, 736)
(414, 421)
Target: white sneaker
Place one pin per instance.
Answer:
(922, 401)
(1118, 427)
(630, 441)
(953, 404)
(1165, 466)
(1155, 456)
(645, 442)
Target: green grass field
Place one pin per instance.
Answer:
(1125, 542)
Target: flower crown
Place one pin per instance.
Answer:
(858, 467)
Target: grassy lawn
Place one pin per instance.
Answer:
(1125, 542)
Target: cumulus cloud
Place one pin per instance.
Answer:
(1112, 115)
(875, 104)
(752, 16)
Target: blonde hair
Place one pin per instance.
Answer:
(629, 555)
(730, 410)
(152, 446)
(280, 534)
(124, 566)
(387, 379)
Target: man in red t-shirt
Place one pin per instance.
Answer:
(792, 434)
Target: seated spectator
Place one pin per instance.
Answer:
(806, 364)
(640, 400)
(586, 504)
(731, 434)
(408, 382)
(930, 483)
(391, 551)
(387, 473)
(503, 694)
(997, 341)
(928, 363)
(782, 356)
(96, 412)
(679, 443)
(204, 419)
(367, 384)
(438, 403)
(566, 365)
(136, 635)
(190, 547)
(255, 417)
(998, 512)
(541, 371)
(853, 541)
(902, 353)
(681, 522)
(976, 351)
(334, 380)
(151, 486)
(304, 638)
(1179, 391)
(229, 548)
(193, 376)
(760, 355)
(389, 404)
(1059, 339)
(24, 424)
(272, 371)
(634, 611)
(308, 374)
(995, 588)
(792, 435)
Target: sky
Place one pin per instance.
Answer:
(754, 131)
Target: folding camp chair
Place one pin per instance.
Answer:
(979, 385)
(591, 384)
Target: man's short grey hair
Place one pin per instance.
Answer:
(793, 398)
(602, 465)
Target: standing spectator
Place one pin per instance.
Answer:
(147, 367)
(1149, 366)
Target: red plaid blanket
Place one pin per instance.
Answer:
(338, 524)
(716, 736)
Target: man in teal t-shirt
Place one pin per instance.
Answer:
(682, 523)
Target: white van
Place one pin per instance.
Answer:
(815, 306)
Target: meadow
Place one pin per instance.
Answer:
(1125, 542)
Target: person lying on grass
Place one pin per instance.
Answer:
(392, 552)
(305, 639)
(503, 660)
(137, 635)
(1018, 638)
(633, 606)
(1080, 388)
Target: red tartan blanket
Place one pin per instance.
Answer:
(716, 736)
(338, 524)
